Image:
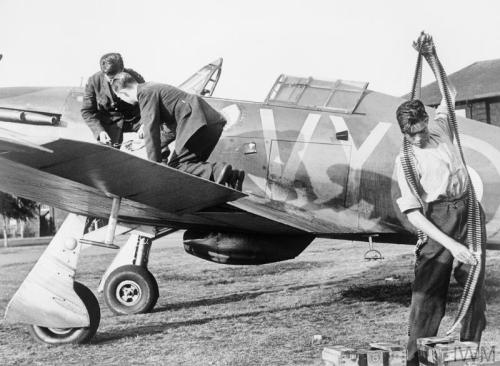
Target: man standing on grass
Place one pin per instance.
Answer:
(442, 181)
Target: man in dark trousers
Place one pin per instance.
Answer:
(106, 114)
(197, 126)
(442, 182)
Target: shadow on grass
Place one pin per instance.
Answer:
(233, 274)
(398, 293)
(279, 268)
(367, 286)
(242, 296)
(226, 299)
(161, 327)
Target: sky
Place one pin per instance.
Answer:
(59, 42)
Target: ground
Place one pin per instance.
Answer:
(211, 314)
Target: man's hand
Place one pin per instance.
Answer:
(424, 44)
(462, 254)
(140, 132)
(104, 138)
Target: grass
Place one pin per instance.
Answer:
(210, 314)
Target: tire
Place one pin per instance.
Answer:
(58, 336)
(131, 290)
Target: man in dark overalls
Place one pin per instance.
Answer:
(108, 116)
(197, 126)
(442, 179)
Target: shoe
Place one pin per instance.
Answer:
(233, 178)
(239, 180)
(225, 174)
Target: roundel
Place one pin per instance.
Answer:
(484, 167)
(477, 183)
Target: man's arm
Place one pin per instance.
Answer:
(441, 118)
(459, 251)
(410, 206)
(150, 121)
(426, 46)
(138, 77)
(90, 113)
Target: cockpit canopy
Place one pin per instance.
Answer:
(341, 96)
(335, 96)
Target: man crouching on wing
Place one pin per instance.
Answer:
(196, 124)
(105, 114)
(441, 178)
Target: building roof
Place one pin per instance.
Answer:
(477, 81)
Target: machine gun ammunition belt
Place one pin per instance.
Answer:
(475, 236)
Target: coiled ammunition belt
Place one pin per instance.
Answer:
(475, 238)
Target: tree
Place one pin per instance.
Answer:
(17, 208)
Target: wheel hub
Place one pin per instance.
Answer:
(128, 293)
(60, 331)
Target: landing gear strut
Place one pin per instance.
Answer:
(58, 309)
(127, 285)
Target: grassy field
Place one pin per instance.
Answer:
(210, 314)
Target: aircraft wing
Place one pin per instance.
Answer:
(107, 170)
(83, 177)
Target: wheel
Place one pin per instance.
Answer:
(373, 255)
(130, 290)
(72, 335)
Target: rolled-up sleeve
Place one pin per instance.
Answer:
(407, 201)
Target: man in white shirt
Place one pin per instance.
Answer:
(442, 185)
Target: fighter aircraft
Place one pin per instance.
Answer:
(319, 159)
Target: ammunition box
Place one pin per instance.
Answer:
(447, 351)
(397, 353)
(344, 356)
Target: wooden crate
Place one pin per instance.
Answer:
(447, 351)
(339, 356)
(344, 356)
(397, 353)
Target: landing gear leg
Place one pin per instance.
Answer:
(127, 285)
(58, 309)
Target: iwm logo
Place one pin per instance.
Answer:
(483, 354)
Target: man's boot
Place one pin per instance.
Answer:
(224, 175)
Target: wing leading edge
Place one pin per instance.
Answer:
(117, 173)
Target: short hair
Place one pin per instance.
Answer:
(122, 80)
(111, 63)
(410, 113)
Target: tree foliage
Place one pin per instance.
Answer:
(16, 207)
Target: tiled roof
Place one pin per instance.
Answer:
(476, 81)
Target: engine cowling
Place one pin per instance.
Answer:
(243, 248)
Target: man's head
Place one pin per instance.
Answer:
(413, 121)
(125, 87)
(111, 64)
